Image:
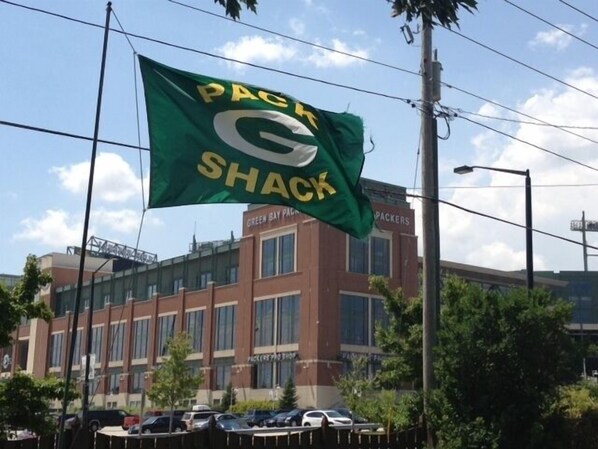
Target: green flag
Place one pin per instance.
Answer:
(219, 141)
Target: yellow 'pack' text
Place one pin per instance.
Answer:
(214, 91)
(252, 180)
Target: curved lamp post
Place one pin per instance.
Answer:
(464, 169)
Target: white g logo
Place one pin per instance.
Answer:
(301, 154)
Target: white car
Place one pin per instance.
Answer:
(314, 418)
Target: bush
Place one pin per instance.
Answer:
(240, 408)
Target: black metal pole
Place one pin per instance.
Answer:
(529, 232)
(71, 353)
(88, 353)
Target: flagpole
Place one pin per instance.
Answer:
(69, 363)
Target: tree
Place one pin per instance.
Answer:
(289, 395)
(432, 12)
(174, 380)
(20, 302)
(500, 359)
(401, 339)
(229, 398)
(25, 402)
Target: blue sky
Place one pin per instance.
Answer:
(49, 79)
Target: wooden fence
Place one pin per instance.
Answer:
(214, 438)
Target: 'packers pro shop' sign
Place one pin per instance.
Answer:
(218, 141)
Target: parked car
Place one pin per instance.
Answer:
(314, 418)
(134, 419)
(158, 424)
(257, 417)
(225, 421)
(96, 419)
(195, 419)
(349, 414)
(274, 420)
(294, 417)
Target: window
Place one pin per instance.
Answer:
(165, 332)
(370, 256)
(354, 320)
(152, 289)
(117, 341)
(223, 366)
(129, 294)
(56, 341)
(177, 285)
(137, 380)
(278, 255)
(270, 374)
(114, 381)
(277, 321)
(379, 317)
(264, 322)
(140, 338)
(288, 319)
(225, 327)
(233, 274)
(77, 352)
(96, 343)
(107, 299)
(194, 327)
(359, 316)
(204, 279)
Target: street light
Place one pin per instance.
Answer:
(464, 169)
(88, 344)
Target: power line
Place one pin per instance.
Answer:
(491, 217)
(579, 10)
(551, 24)
(411, 102)
(530, 144)
(405, 100)
(73, 136)
(523, 64)
(295, 39)
(450, 111)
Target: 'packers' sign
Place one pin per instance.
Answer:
(218, 141)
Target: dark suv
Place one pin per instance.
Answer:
(257, 417)
(96, 419)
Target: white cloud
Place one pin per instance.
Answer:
(482, 241)
(325, 58)
(114, 179)
(55, 229)
(297, 26)
(553, 38)
(256, 49)
(124, 221)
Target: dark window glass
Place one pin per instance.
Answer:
(268, 257)
(288, 319)
(140, 338)
(287, 254)
(117, 339)
(225, 327)
(264, 322)
(96, 343)
(194, 327)
(358, 255)
(380, 256)
(354, 320)
(165, 332)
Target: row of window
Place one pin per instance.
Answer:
(276, 323)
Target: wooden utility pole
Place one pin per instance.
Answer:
(430, 222)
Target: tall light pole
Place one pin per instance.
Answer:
(88, 344)
(464, 169)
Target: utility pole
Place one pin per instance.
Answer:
(584, 226)
(430, 223)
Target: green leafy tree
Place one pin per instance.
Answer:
(174, 381)
(355, 385)
(500, 360)
(401, 338)
(229, 398)
(289, 395)
(432, 12)
(25, 402)
(20, 302)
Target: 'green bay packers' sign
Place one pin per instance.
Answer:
(218, 141)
